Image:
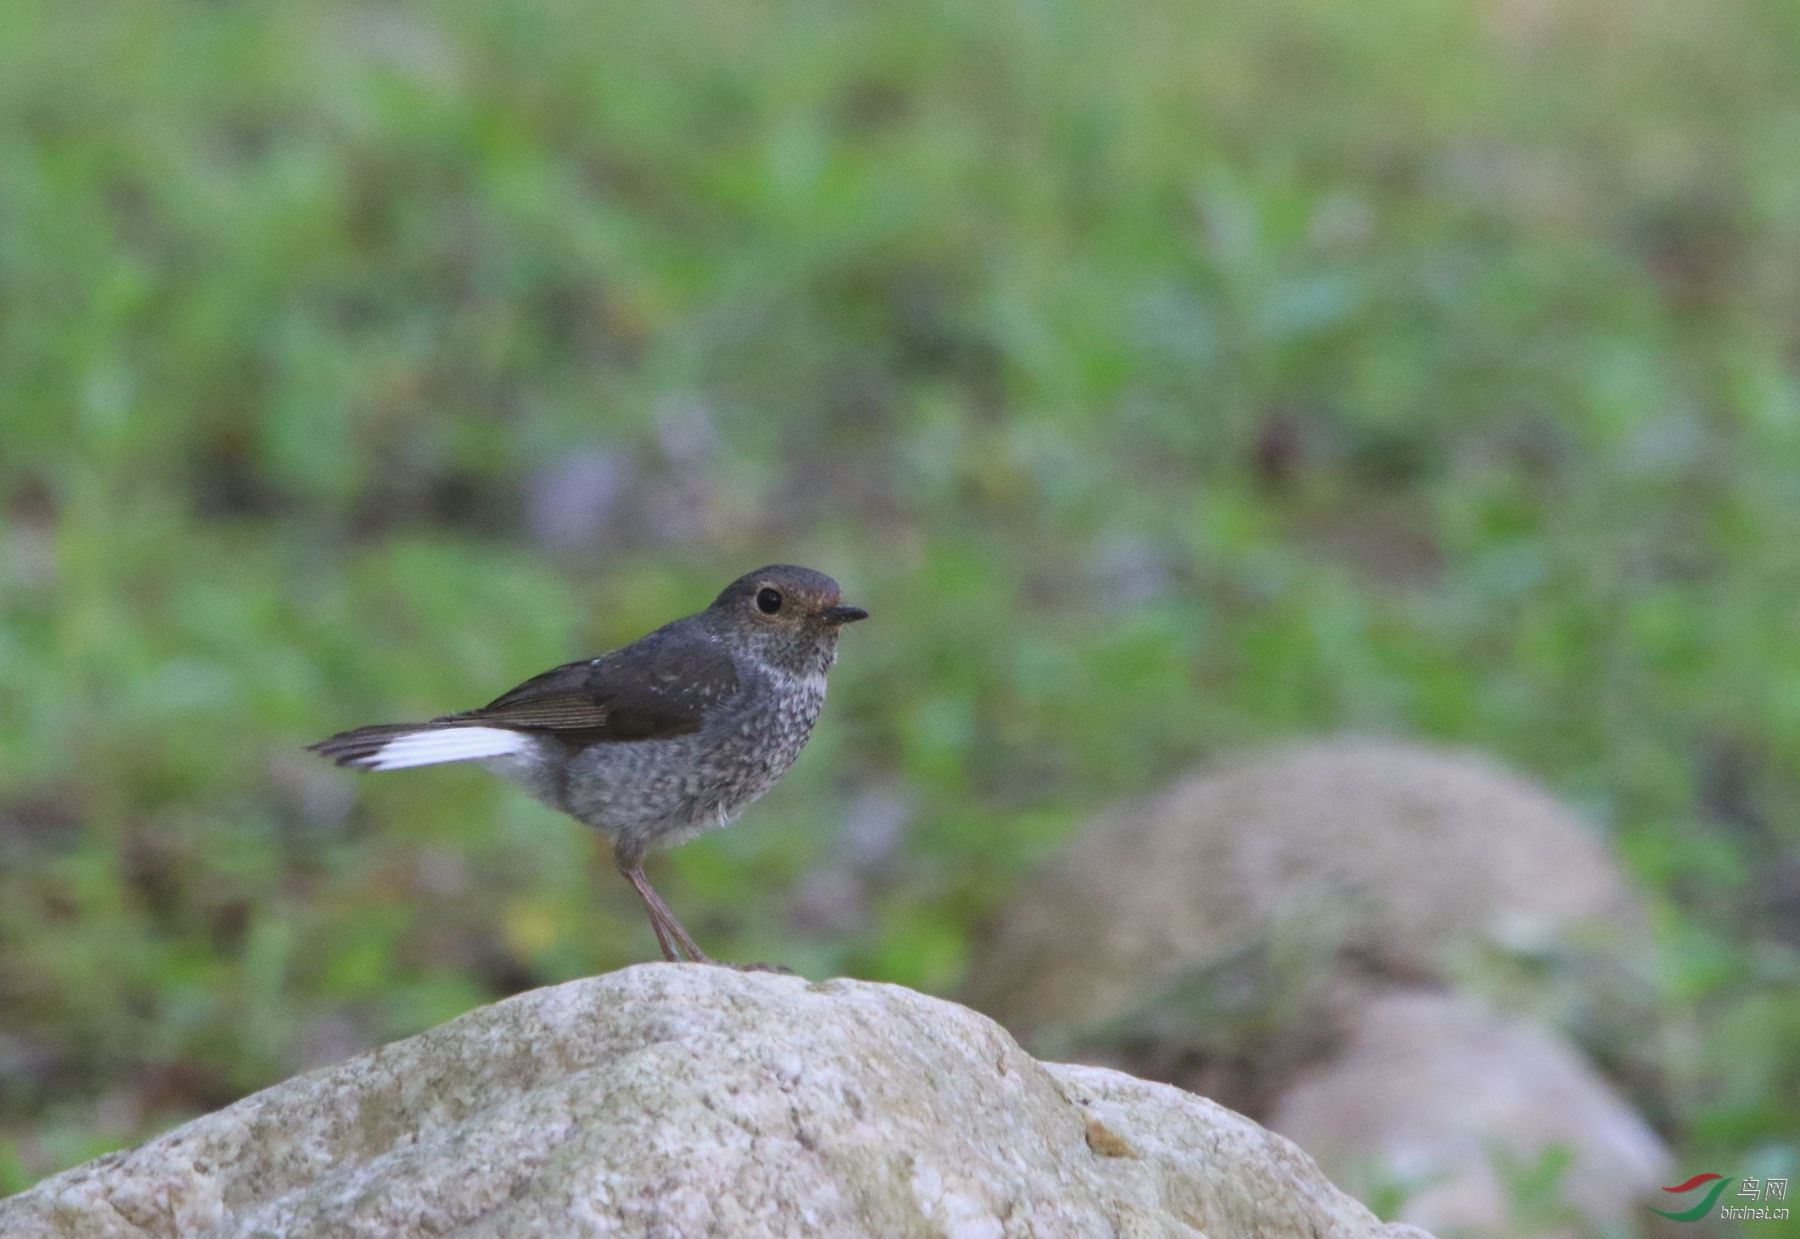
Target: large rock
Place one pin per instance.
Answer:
(1386, 952)
(1431, 1091)
(1411, 861)
(676, 1100)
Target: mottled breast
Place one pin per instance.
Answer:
(664, 791)
(770, 733)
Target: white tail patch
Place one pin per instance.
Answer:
(426, 748)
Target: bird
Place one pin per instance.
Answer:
(658, 741)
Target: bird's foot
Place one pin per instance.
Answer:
(779, 969)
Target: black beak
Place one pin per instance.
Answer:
(842, 615)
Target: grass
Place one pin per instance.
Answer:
(1165, 378)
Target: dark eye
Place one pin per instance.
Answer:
(768, 601)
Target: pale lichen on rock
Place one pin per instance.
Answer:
(684, 1100)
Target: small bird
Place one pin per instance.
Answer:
(656, 742)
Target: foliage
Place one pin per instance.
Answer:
(1165, 378)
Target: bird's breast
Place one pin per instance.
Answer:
(669, 789)
(775, 723)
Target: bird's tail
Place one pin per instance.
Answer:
(395, 746)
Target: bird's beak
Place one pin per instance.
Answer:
(842, 615)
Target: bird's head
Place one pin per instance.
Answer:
(789, 615)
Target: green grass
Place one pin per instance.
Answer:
(1166, 378)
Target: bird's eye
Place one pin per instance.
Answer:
(768, 600)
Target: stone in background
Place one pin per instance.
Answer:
(1395, 955)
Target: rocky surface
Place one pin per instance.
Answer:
(1428, 1086)
(676, 1100)
(1387, 952)
(1412, 860)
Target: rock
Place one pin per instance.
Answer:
(1321, 938)
(1381, 1111)
(677, 1100)
(1411, 861)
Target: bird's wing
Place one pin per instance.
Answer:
(654, 688)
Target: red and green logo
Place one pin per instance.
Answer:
(1705, 1206)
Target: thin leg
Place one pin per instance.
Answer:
(656, 924)
(670, 934)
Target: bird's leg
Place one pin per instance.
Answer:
(662, 935)
(670, 935)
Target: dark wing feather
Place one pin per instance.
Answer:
(657, 687)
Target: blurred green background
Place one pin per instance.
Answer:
(1166, 378)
